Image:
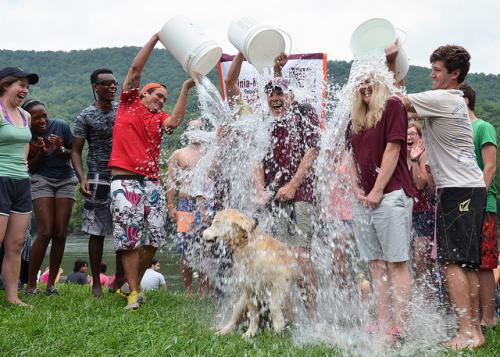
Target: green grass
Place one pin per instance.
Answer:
(169, 324)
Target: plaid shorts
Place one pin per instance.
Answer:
(138, 209)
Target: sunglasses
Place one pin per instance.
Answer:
(107, 82)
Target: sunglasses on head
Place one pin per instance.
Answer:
(107, 82)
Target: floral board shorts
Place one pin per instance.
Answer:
(489, 259)
(138, 209)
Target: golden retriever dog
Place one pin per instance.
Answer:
(265, 269)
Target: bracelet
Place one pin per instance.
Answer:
(417, 159)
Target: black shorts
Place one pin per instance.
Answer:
(15, 196)
(459, 219)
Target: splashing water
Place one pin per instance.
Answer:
(235, 148)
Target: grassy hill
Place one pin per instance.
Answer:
(65, 86)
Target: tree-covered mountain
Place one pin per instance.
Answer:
(65, 85)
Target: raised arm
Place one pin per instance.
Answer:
(134, 73)
(177, 116)
(232, 87)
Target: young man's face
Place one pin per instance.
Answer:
(441, 78)
(156, 267)
(105, 87)
(155, 100)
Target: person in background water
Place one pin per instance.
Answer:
(79, 274)
(15, 187)
(52, 190)
(423, 209)
(138, 198)
(382, 209)
(153, 279)
(485, 147)
(95, 124)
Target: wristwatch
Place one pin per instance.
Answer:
(63, 149)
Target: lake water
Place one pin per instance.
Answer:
(77, 248)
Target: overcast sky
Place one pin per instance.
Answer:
(315, 25)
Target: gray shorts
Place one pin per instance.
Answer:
(42, 186)
(295, 228)
(96, 218)
(383, 233)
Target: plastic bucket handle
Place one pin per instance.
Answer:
(401, 32)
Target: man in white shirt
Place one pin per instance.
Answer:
(152, 279)
(461, 193)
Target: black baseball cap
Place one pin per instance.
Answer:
(19, 73)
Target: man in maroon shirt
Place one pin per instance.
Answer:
(285, 178)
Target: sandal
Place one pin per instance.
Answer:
(32, 291)
(51, 291)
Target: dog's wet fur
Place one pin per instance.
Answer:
(265, 270)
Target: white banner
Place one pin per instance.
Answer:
(306, 73)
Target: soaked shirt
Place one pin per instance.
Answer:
(291, 138)
(137, 136)
(96, 126)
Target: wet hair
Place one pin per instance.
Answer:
(97, 72)
(6, 82)
(79, 264)
(155, 261)
(453, 57)
(367, 116)
(417, 127)
(30, 103)
(103, 268)
(470, 94)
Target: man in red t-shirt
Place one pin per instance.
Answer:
(138, 199)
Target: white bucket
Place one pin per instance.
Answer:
(260, 44)
(190, 45)
(372, 37)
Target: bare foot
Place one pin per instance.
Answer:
(459, 343)
(97, 291)
(19, 303)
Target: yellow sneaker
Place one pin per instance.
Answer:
(132, 301)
